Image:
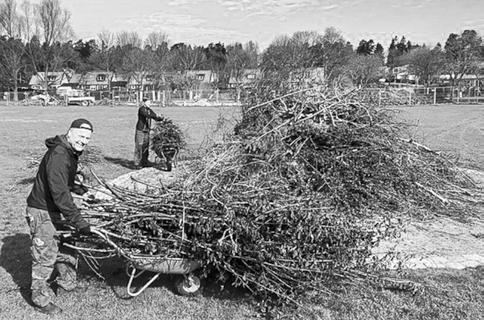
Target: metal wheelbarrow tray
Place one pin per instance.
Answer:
(137, 264)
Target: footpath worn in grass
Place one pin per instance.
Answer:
(448, 294)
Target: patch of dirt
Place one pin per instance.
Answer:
(145, 181)
(440, 243)
(476, 176)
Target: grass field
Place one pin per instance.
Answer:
(448, 294)
(455, 129)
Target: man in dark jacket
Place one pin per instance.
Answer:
(50, 207)
(142, 134)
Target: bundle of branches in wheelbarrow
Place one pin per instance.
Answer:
(308, 185)
(167, 139)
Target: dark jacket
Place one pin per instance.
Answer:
(55, 181)
(145, 114)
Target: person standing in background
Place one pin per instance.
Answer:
(142, 134)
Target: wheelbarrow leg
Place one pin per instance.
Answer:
(134, 275)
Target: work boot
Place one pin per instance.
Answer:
(50, 309)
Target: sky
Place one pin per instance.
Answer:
(201, 22)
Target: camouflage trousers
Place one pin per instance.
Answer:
(47, 258)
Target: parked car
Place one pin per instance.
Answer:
(75, 96)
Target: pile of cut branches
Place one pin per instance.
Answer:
(311, 181)
(166, 135)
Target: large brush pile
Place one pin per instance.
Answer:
(309, 184)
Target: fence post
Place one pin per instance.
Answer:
(435, 95)
(410, 97)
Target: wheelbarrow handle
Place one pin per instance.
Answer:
(134, 275)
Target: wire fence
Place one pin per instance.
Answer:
(388, 95)
(412, 95)
(227, 97)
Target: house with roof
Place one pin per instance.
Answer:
(74, 81)
(244, 78)
(203, 79)
(474, 79)
(96, 80)
(145, 81)
(119, 81)
(403, 74)
(54, 79)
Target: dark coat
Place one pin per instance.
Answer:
(55, 181)
(145, 114)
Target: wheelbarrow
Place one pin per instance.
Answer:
(137, 264)
(167, 153)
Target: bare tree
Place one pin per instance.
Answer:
(103, 58)
(307, 37)
(27, 21)
(12, 61)
(332, 35)
(252, 49)
(138, 64)
(50, 24)
(239, 58)
(183, 57)
(462, 53)
(126, 38)
(332, 53)
(425, 63)
(54, 22)
(12, 50)
(156, 39)
(106, 39)
(10, 21)
(363, 69)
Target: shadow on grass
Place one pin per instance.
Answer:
(26, 181)
(15, 258)
(130, 164)
(122, 162)
(117, 279)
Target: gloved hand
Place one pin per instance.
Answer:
(85, 230)
(78, 187)
(79, 190)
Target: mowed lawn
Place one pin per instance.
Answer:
(449, 294)
(454, 129)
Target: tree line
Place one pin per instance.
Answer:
(37, 37)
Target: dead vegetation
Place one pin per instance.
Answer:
(295, 200)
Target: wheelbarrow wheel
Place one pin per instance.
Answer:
(188, 285)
